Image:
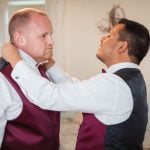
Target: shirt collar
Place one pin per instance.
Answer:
(119, 66)
(29, 60)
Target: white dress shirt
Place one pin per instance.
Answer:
(106, 95)
(10, 102)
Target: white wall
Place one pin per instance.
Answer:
(81, 35)
(3, 19)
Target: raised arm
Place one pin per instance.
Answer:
(10, 54)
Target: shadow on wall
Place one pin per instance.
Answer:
(115, 14)
(148, 99)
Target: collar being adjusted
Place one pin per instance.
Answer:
(40, 63)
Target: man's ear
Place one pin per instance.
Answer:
(19, 39)
(123, 46)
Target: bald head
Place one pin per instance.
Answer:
(21, 18)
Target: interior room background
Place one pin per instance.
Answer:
(78, 26)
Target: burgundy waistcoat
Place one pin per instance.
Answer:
(34, 128)
(91, 135)
(127, 135)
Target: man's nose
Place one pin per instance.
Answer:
(102, 39)
(50, 39)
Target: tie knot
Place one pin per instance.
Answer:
(41, 67)
(103, 71)
(42, 70)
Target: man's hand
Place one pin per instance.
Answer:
(10, 54)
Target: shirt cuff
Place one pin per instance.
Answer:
(20, 69)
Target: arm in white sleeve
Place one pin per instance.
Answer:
(84, 96)
(58, 75)
(10, 104)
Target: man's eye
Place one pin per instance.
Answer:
(44, 35)
(108, 35)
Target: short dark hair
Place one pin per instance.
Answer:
(138, 38)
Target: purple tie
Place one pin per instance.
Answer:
(42, 70)
(103, 71)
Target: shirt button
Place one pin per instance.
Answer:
(16, 77)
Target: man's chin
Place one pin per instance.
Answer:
(99, 58)
(48, 56)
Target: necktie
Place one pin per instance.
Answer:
(42, 70)
(103, 71)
